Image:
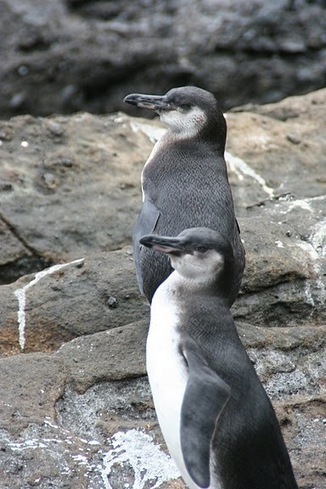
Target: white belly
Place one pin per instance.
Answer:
(154, 152)
(167, 373)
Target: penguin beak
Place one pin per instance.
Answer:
(163, 244)
(151, 102)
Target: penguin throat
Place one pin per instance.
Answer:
(184, 125)
(197, 273)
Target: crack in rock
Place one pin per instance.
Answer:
(16, 234)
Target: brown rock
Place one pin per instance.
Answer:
(51, 172)
(71, 301)
(32, 385)
(109, 355)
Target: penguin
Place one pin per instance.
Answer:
(217, 420)
(184, 181)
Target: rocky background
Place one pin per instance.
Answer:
(75, 405)
(63, 56)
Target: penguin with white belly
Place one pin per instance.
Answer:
(215, 415)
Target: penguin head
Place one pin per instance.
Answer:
(187, 111)
(197, 254)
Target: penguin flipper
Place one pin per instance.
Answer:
(145, 224)
(205, 398)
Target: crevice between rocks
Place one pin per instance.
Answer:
(25, 265)
(32, 262)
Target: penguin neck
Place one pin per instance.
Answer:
(184, 126)
(190, 138)
(177, 286)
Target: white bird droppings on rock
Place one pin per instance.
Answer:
(26, 445)
(21, 296)
(318, 238)
(241, 168)
(279, 244)
(147, 460)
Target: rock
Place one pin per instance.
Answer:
(14, 250)
(119, 355)
(51, 433)
(77, 419)
(270, 165)
(68, 56)
(263, 164)
(289, 363)
(76, 409)
(69, 300)
(32, 384)
(82, 155)
(284, 282)
(282, 286)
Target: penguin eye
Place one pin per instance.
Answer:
(185, 106)
(202, 249)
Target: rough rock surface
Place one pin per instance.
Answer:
(75, 406)
(71, 55)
